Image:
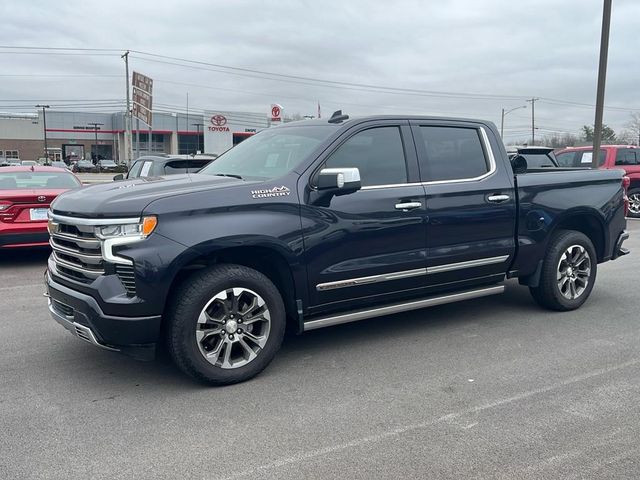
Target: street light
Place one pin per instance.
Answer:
(198, 125)
(44, 121)
(507, 113)
(95, 129)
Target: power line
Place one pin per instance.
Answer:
(63, 48)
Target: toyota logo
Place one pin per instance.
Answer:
(42, 198)
(275, 111)
(219, 120)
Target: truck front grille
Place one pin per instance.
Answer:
(77, 253)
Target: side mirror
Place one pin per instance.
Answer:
(519, 164)
(340, 179)
(119, 177)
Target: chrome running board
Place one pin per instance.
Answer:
(400, 307)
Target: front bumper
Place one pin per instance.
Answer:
(83, 317)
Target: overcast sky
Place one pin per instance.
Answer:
(505, 49)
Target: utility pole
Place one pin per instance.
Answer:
(602, 77)
(127, 118)
(44, 121)
(533, 119)
(95, 126)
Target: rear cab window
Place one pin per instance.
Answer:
(184, 166)
(20, 180)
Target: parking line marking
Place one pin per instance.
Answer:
(300, 457)
(13, 287)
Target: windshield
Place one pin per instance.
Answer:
(17, 180)
(269, 154)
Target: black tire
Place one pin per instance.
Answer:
(634, 198)
(188, 302)
(548, 293)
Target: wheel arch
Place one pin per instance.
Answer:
(588, 222)
(267, 257)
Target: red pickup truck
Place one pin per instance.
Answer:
(622, 157)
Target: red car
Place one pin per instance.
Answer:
(25, 196)
(623, 157)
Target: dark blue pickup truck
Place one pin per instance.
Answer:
(317, 223)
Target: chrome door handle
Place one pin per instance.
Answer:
(498, 198)
(406, 206)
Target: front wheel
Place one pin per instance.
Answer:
(226, 324)
(634, 202)
(568, 272)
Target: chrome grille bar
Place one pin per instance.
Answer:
(77, 252)
(90, 274)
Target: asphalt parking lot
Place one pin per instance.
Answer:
(490, 388)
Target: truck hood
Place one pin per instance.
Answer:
(128, 198)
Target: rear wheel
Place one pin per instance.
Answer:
(634, 202)
(568, 272)
(226, 324)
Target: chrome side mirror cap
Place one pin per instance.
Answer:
(343, 179)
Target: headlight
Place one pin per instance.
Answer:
(138, 231)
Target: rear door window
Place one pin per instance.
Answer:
(146, 168)
(627, 157)
(586, 157)
(452, 153)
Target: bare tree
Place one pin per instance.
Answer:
(558, 141)
(631, 134)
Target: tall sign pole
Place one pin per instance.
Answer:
(44, 121)
(128, 141)
(602, 77)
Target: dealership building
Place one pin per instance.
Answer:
(77, 135)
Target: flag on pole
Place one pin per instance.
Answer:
(318, 109)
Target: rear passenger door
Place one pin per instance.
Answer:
(470, 202)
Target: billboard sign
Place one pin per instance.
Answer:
(142, 97)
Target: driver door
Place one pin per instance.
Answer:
(369, 245)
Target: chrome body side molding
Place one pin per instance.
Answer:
(385, 277)
(352, 282)
(480, 262)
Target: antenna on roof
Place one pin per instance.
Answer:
(338, 117)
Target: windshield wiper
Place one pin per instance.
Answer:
(232, 175)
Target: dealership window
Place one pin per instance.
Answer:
(157, 142)
(12, 154)
(190, 143)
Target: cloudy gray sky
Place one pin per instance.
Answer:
(459, 57)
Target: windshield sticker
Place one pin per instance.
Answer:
(271, 192)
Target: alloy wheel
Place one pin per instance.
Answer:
(634, 203)
(573, 272)
(233, 328)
